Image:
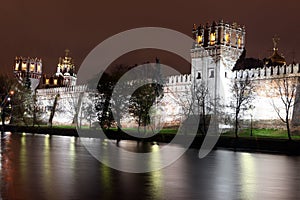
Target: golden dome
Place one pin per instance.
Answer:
(276, 59)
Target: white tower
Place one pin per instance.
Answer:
(216, 49)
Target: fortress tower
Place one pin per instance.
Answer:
(215, 51)
(28, 71)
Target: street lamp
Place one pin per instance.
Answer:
(251, 116)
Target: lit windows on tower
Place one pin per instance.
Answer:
(199, 39)
(212, 38)
(24, 66)
(239, 42)
(227, 38)
(39, 68)
(17, 66)
(32, 66)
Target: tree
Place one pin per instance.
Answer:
(6, 94)
(242, 96)
(141, 102)
(53, 109)
(103, 100)
(196, 101)
(203, 104)
(285, 89)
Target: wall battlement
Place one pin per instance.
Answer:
(271, 72)
(62, 90)
(175, 79)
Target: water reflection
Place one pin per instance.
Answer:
(44, 167)
(247, 176)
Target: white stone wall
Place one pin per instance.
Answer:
(67, 104)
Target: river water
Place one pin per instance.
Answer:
(56, 167)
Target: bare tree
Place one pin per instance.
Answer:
(242, 96)
(285, 89)
(195, 100)
(204, 104)
(53, 109)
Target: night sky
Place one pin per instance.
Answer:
(45, 28)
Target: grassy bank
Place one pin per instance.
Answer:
(262, 133)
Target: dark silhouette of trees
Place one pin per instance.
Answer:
(141, 102)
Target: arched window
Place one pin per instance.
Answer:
(199, 75)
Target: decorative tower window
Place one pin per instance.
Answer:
(212, 38)
(17, 66)
(24, 66)
(32, 66)
(199, 39)
(211, 73)
(225, 74)
(239, 42)
(227, 38)
(199, 75)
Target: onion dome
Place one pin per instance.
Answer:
(275, 59)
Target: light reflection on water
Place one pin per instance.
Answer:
(53, 167)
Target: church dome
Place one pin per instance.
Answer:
(275, 59)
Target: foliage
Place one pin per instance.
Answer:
(141, 102)
(103, 100)
(7, 85)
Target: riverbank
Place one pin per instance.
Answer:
(249, 144)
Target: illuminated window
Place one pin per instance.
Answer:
(199, 39)
(55, 81)
(227, 38)
(39, 68)
(239, 42)
(17, 66)
(24, 66)
(32, 67)
(212, 38)
(47, 81)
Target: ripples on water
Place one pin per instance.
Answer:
(44, 167)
